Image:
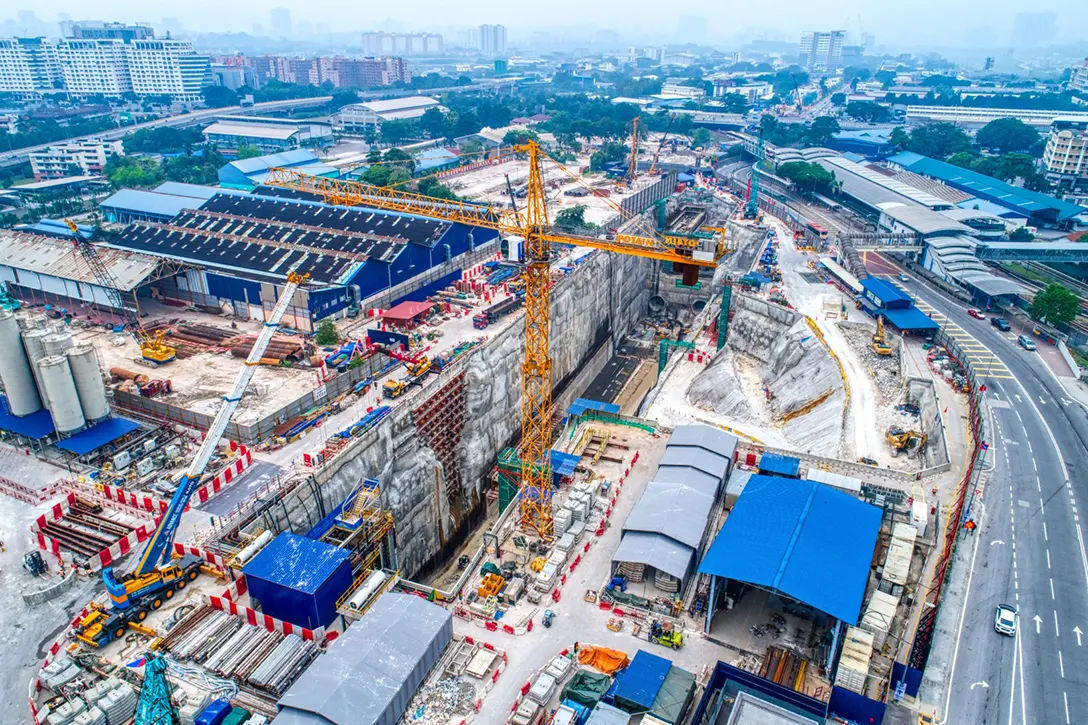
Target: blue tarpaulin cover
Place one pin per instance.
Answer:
(581, 405)
(637, 686)
(98, 435)
(801, 538)
(35, 425)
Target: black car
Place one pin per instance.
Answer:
(1000, 323)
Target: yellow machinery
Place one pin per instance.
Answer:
(880, 343)
(419, 368)
(490, 586)
(632, 166)
(531, 223)
(906, 440)
(394, 388)
(152, 347)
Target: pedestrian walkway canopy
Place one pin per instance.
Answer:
(801, 539)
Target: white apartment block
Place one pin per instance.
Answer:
(90, 156)
(166, 67)
(822, 50)
(1078, 79)
(107, 66)
(1066, 155)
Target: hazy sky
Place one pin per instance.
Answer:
(930, 22)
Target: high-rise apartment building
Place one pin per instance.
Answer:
(94, 66)
(1078, 78)
(821, 50)
(381, 43)
(167, 67)
(29, 65)
(1034, 30)
(1066, 155)
(341, 72)
(97, 30)
(492, 39)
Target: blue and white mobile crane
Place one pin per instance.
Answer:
(158, 576)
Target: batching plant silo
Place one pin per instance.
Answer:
(60, 391)
(15, 372)
(35, 351)
(90, 387)
(57, 343)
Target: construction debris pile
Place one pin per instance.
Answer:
(884, 370)
(227, 646)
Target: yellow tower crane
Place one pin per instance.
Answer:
(531, 223)
(632, 165)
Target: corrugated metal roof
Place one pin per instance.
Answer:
(660, 552)
(926, 221)
(270, 161)
(844, 166)
(676, 510)
(900, 553)
(880, 612)
(57, 258)
(696, 458)
(801, 538)
(779, 464)
(706, 437)
(296, 562)
(195, 191)
(846, 483)
(280, 133)
(151, 202)
(371, 672)
(398, 104)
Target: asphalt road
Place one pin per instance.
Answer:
(1030, 547)
(185, 119)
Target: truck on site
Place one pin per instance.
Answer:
(417, 370)
(158, 576)
(500, 309)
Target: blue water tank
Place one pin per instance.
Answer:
(299, 580)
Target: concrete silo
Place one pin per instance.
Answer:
(60, 390)
(90, 386)
(15, 372)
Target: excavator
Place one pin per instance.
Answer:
(158, 576)
(903, 441)
(153, 348)
(880, 343)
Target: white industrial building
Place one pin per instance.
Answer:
(359, 117)
(981, 116)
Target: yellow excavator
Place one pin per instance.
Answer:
(880, 343)
(906, 440)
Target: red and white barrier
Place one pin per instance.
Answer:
(103, 558)
(226, 603)
(208, 556)
(228, 474)
(138, 501)
(698, 356)
(32, 495)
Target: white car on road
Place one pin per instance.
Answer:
(1005, 620)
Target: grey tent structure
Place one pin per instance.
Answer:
(369, 675)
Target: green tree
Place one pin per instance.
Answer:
(377, 175)
(701, 137)
(899, 137)
(838, 99)
(218, 96)
(1054, 305)
(519, 136)
(938, 140)
(1006, 135)
(886, 77)
(326, 333)
(821, 130)
(394, 132)
(433, 123)
(1021, 234)
(398, 175)
(132, 172)
(247, 151)
(610, 152)
(573, 219)
(430, 186)
(399, 159)
(808, 178)
(868, 111)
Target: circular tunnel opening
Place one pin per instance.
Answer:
(657, 304)
(698, 306)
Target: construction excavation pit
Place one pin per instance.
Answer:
(514, 489)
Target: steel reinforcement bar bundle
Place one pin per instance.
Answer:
(227, 646)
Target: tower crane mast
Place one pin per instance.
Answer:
(531, 223)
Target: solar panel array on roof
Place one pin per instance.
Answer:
(362, 221)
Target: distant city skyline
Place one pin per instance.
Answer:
(1010, 24)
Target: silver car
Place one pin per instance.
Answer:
(1005, 620)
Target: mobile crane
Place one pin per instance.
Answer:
(152, 347)
(688, 254)
(158, 576)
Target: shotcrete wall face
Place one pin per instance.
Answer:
(597, 304)
(797, 369)
(923, 393)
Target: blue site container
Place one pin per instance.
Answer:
(214, 713)
(299, 580)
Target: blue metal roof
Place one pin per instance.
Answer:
(296, 562)
(36, 425)
(435, 158)
(885, 291)
(98, 435)
(285, 159)
(563, 464)
(195, 191)
(581, 405)
(55, 228)
(910, 318)
(150, 202)
(776, 463)
(640, 682)
(987, 187)
(801, 538)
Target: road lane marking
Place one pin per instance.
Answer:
(1045, 538)
(1057, 632)
(1052, 589)
(1061, 664)
(1048, 558)
(1065, 696)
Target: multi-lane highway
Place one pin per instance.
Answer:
(1029, 550)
